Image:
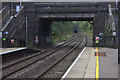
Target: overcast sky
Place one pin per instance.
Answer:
(59, 0)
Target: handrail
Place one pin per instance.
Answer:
(4, 16)
(2, 9)
(20, 11)
(5, 26)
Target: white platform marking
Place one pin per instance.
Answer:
(72, 64)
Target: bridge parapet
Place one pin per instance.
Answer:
(68, 16)
(68, 8)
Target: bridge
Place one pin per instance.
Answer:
(44, 13)
(23, 22)
(40, 15)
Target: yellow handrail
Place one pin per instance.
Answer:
(4, 16)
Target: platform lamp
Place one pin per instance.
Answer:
(116, 4)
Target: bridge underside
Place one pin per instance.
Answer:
(40, 16)
(43, 27)
(43, 14)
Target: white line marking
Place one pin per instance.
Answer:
(72, 64)
(13, 50)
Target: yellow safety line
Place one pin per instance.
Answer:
(4, 16)
(97, 65)
(7, 49)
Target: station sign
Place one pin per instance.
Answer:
(114, 33)
(17, 8)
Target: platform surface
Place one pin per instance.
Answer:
(85, 65)
(8, 50)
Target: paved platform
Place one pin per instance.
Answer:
(87, 65)
(8, 50)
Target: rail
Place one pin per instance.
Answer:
(34, 58)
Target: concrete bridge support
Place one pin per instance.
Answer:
(99, 22)
(39, 15)
(99, 25)
(45, 30)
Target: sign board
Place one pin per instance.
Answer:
(36, 39)
(17, 8)
(114, 33)
(12, 41)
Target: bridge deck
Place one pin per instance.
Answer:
(85, 65)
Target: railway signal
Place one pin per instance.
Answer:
(97, 40)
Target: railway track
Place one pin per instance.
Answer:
(20, 64)
(60, 60)
(36, 54)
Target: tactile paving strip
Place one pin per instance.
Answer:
(100, 53)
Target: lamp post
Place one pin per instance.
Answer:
(116, 4)
(20, 3)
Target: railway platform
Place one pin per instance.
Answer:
(94, 63)
(9, 50)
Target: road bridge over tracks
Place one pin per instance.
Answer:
(40, 16)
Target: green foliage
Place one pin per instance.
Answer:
(63, 30)
(30, 45)
(108, 32)
(86, 28)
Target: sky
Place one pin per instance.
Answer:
(59, 0)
